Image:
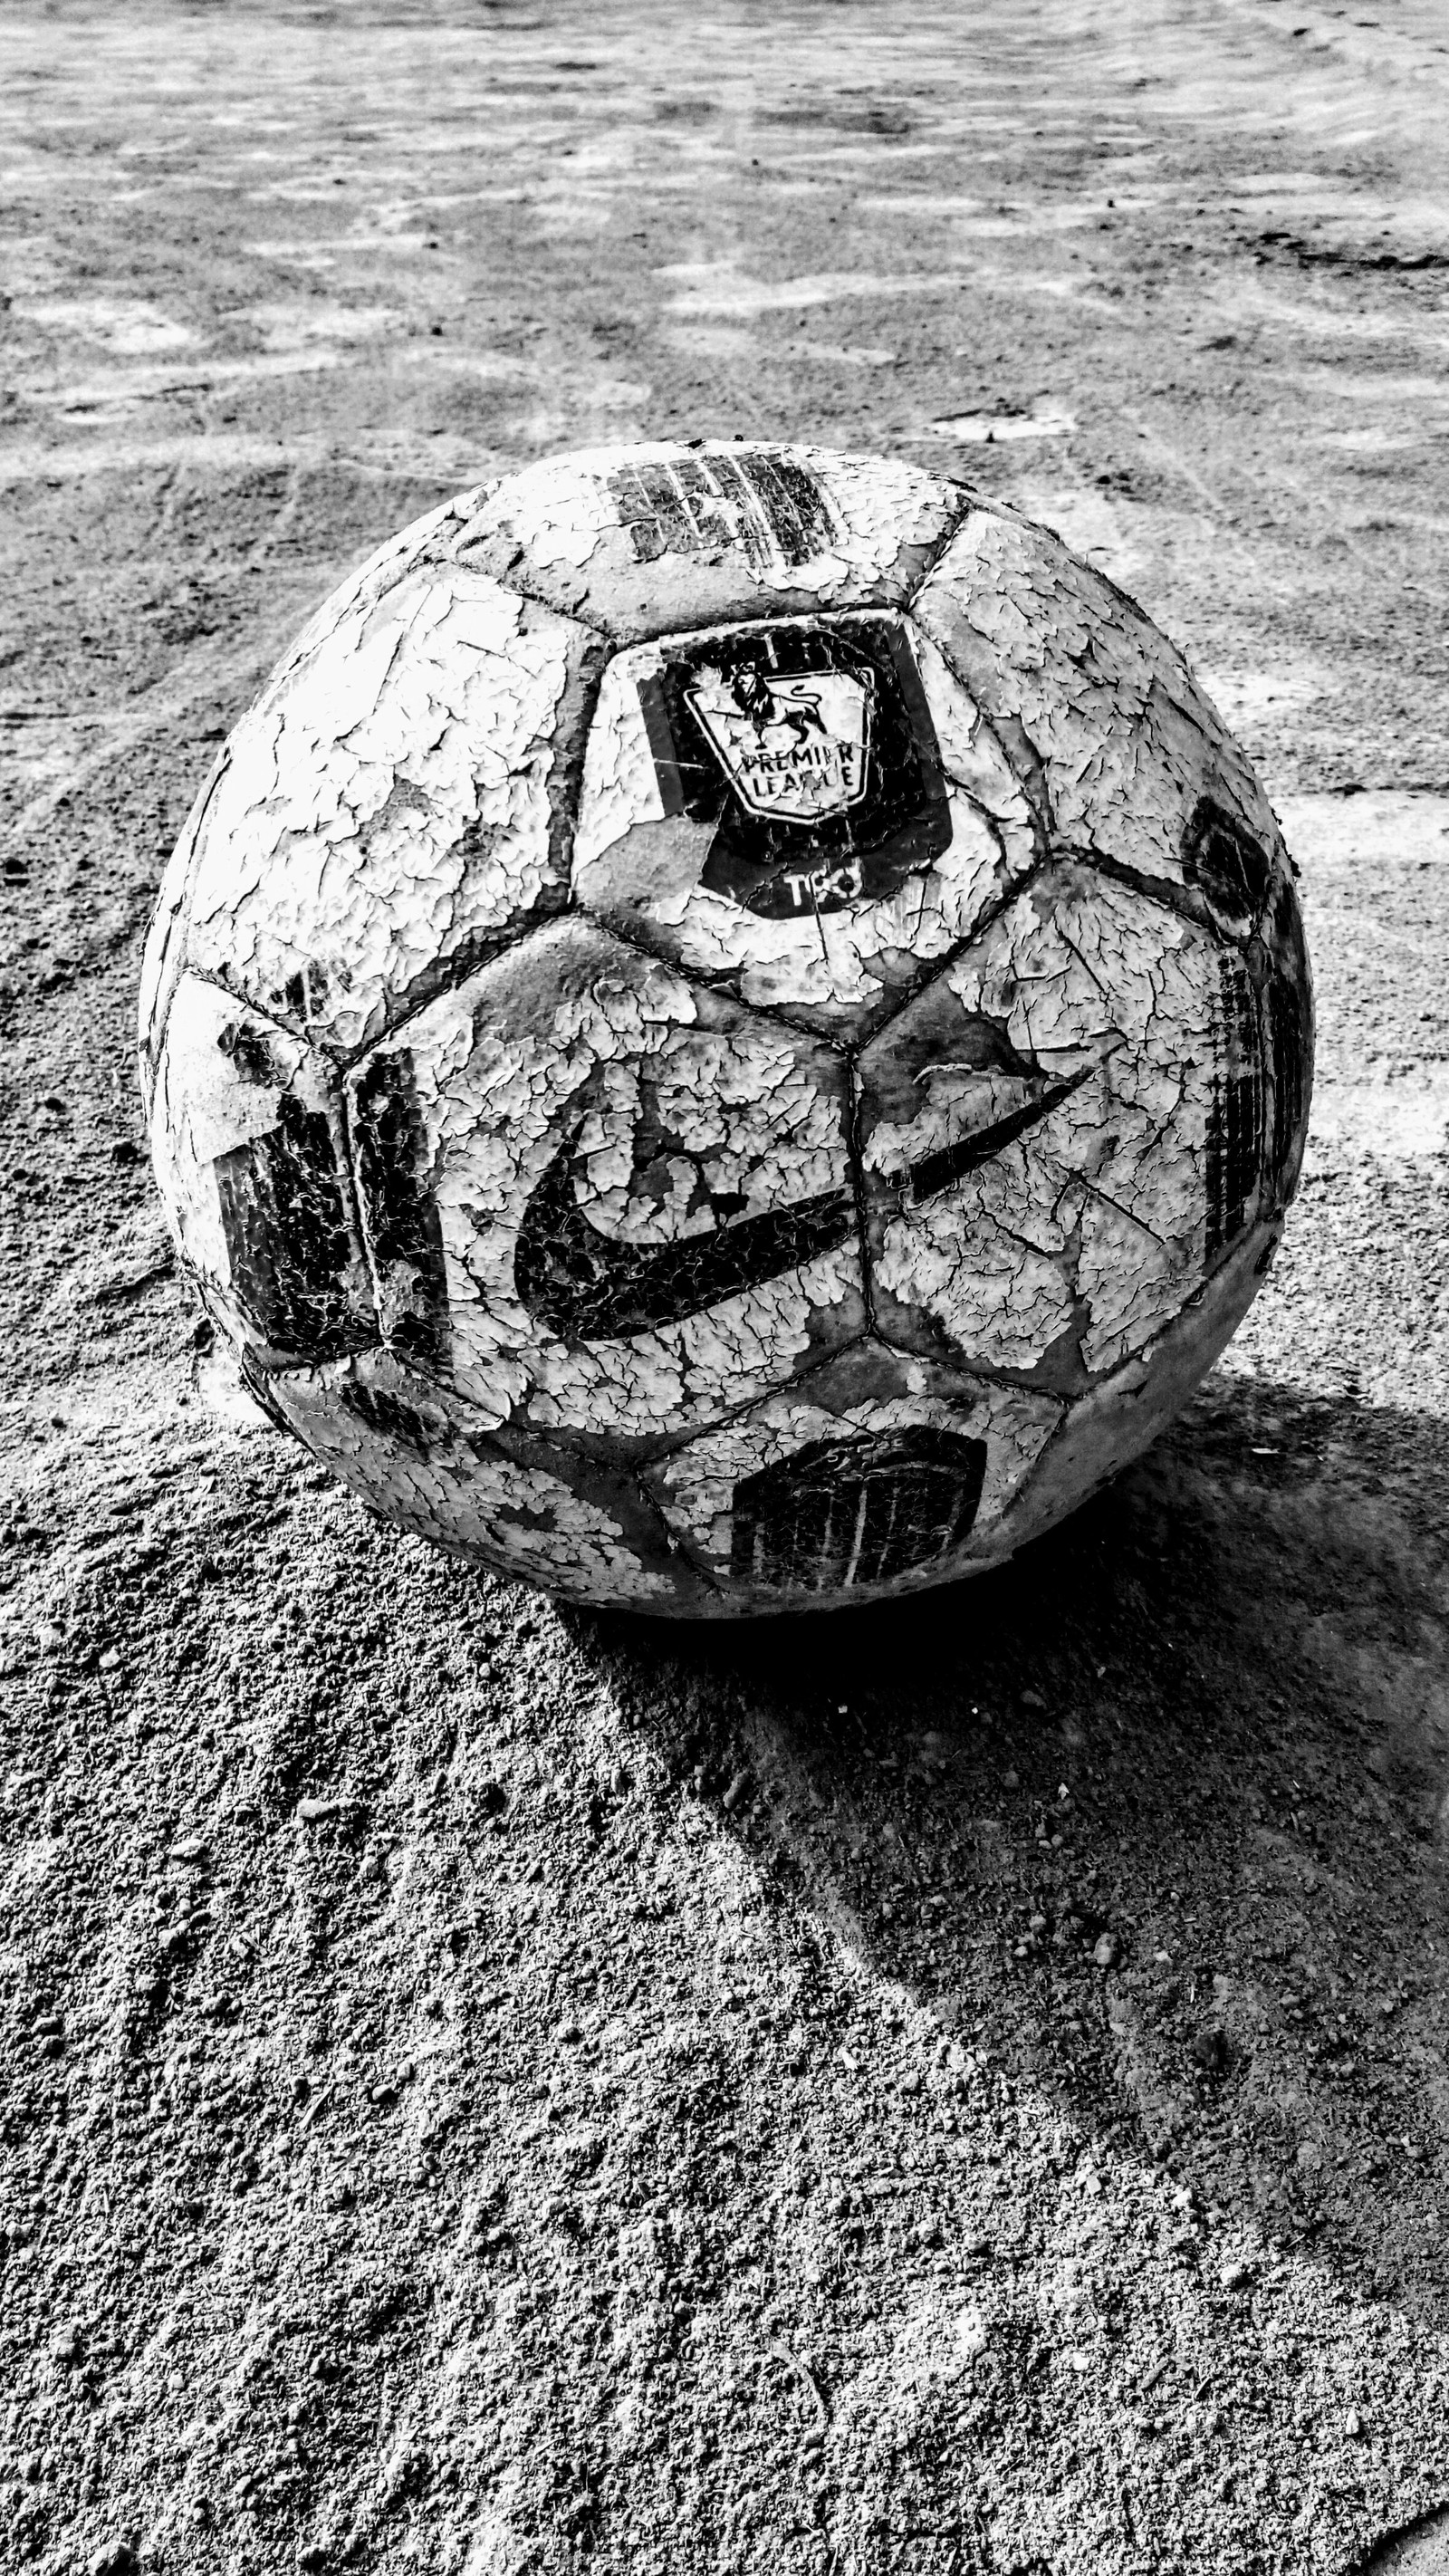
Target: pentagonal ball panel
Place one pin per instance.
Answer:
(811, 810)
(250, 1150)
(642, 540)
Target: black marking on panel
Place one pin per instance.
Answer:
(587, 1286)
(1286, 1038)
(680, 792)
(590, 1287)
(1234, 1141)
(936, 1172)
(769, 506)
(1230, 867)
(388, 1415)
(304, 995)
(652, 506)
(786, 868)
(289, 1249)
(253, 1054)
(399, 1212)
(792, 501)
(840, 1514)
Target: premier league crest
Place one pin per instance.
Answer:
(795, 746)
(809, 747)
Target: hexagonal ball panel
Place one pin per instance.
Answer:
(602, 1199)
(1064, 1134)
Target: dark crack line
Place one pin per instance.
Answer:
(855, 1157)
(1088, 970)
(994, 912)
(717, 980)
(571, 1439)
(970, 500)
(1173, 893)
(1094, 1191)
(335, 1064)
(521, 590)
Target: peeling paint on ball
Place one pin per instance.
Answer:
(731, 1033)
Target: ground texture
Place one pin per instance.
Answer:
(488, 2089)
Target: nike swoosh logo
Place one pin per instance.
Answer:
(583, 1286)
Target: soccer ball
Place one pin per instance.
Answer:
(731, 1032)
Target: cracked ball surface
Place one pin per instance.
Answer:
(732, 1031)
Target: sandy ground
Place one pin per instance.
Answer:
(487, 2089)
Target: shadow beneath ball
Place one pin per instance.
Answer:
(1150, 1818)
(1421, 2549)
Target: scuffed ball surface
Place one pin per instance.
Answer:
(730, 1033)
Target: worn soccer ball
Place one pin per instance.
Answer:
(731, 1032)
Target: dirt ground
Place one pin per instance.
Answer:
(488, 2089)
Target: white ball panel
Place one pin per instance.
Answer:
(658, 536)
(386, 804)
(974, 759)
(678, 1118)
(1104, 1431)
(429, 539)
(1093, 1223)
(164, 958)
(418, 1460)
(1127, 741)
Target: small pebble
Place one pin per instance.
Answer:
(114, 2558)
